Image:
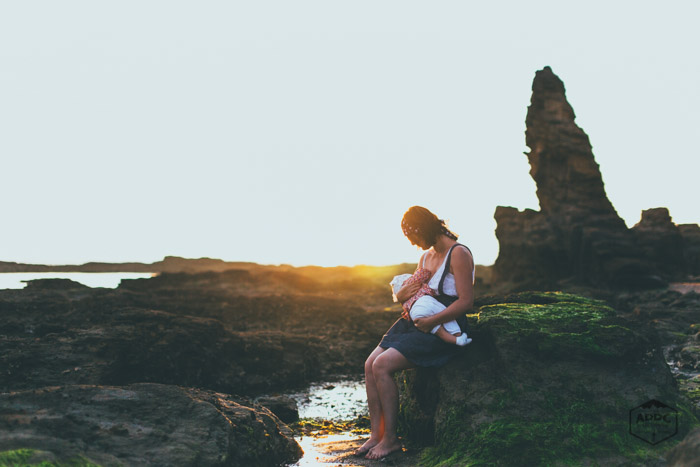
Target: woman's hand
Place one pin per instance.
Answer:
(407, 291)
(423, 324)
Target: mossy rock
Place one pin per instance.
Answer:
(557, 325)
(38, 458)
(549, 379)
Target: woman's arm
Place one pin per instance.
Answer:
(409, 290)
(462, 266)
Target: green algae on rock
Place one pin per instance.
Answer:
(550, 377)
(38, 458)
(569, 327)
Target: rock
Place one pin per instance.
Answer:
(662, 243)
(549, 378)
(173, 280)
(691, 247)
(569, 183)
(689, 357)
(687, 452)
(675, 317)
(54, 284)
(185, 329)
(529, 255)
(143, 424)
(577, 236)
(283, 406)
(235, 332)
(135, 345)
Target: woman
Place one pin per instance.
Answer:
(406, 344)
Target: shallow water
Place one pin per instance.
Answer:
(18, 280)
(341, 400)
(337, 401)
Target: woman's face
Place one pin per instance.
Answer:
(418, 240)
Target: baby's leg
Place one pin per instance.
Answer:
(449, 332)
(452, 327)
(425, 307)
(460, 338)
(446, 336)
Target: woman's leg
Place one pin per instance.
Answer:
(375, 406)
(383, 368)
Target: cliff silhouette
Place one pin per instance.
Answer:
(577, 237)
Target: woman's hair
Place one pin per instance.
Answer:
(418, 221)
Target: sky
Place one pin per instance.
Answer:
(300, 132)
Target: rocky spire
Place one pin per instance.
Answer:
(561, 159)
(577, 235)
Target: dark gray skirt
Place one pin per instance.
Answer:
(421, 348)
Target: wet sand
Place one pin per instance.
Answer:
(339, 450)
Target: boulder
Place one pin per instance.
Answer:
(549, 377)
(283, 406)
(143, 424)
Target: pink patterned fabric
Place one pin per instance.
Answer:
(421, 276)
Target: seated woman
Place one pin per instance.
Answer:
(424, 304)
(408, 344)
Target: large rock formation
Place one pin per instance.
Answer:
(577, 236)
(569, 184)
(549, 379)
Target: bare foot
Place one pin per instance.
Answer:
(383, 449)
(365, 448)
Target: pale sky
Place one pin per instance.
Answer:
(299, 132)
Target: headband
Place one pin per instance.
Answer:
(409, 229)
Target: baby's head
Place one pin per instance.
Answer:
(397, 282)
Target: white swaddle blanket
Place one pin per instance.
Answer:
(396, 284)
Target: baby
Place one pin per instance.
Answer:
(424, 304)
